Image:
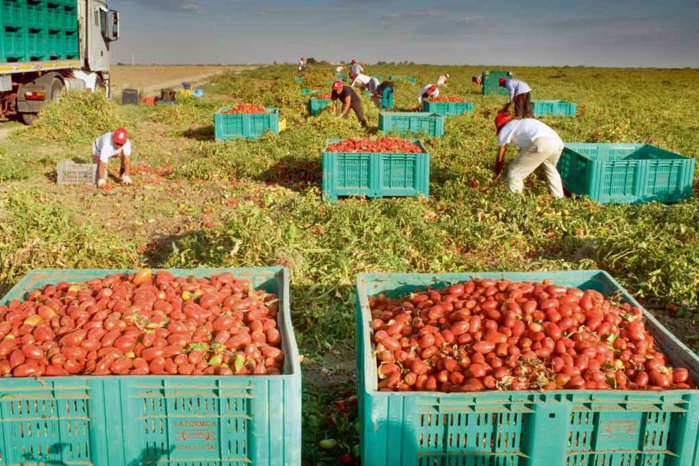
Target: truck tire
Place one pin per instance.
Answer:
(56, 89)
(29, 118)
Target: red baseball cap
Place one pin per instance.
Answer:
(337, 85)
(501, 120)
(502, 82)
(120, 136)
(354, 60)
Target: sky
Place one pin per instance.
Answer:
(621, 33)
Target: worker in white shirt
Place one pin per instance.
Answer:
(520, 94)
(367, 82)
(538, 145)
(302, 65)
(114, 144)
(355, 67)
(443, 80)
(430, 90)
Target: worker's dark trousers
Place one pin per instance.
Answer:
(359, 111)
(523, 106)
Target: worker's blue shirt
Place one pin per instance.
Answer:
(516, 87)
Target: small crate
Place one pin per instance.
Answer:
(412, 123)
(249, 126)
(341, 76)
(69, 172)
(11, 13)
(69, 19)
(137, 420)
(298, 79)
(626, 173)
(36, 45)
(13, 48)
(129, 97)
(522, 428)
(491, 82)
(71, 45)
(447, 108)
(310, 91)
(54, 45)
(35, 16)
(317, 105)
(553, 108)
(374, 174)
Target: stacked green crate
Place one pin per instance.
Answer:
(491, 82)
(11, 30)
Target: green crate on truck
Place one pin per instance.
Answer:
(70, 45)
(37, 42)
(243, 125)
(54, 45)
(11, 13)
(375, 174)
(491, 82)
(35, 14)
(54, 17)
(317, 105)
(130, 420)
(447, 108)
(626, 173)
(412, 123)
(553, 108)
(12, 48)
(69, 19)
(522, 428)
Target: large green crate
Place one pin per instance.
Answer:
(54, 17)
(69, 19)
(250, 126)
(71, 45)
(37, 45)
(375, 174)
(553, 108)
(522, 428)
(447, 108)
(54, 45)
(310, 91)
(178, 420)
(412, 123)
(12, 13)
(491, 82)
(12, 48)
(317, 105)
(626, 173)
(35, 16)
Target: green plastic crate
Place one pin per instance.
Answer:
(69, 19)
(447, 108)
(553, 108)
(54, 45)
(37, 45)
(317, 105)
(71, 45)
(12, 48)
(522, 428)
(11, 13)
(135, 420)
(340, 76)
(250, 126)
(412, 123)
(491, 82)
(310, 91)
(626, 173)
(298, 79)
(375, 174)
(35, 14)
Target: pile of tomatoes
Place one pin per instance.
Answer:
(142, 323)
(246, 109)
(489, 334)
(447, 98)
(384, 144)
(327, 95)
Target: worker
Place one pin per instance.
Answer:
(520, 94)
(367, 82)
(477, 80)
(302, 65)
(430, 90)
(349, 99)
(355, 67)
(381, 101)
(538, 145)
(443, 80)
(114, 144)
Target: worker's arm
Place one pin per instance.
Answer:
(125, 169)
(334, 106)
(500, 160)
(102, 171)
(346, 106)
(511, 88)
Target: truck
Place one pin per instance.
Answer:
(49, 46)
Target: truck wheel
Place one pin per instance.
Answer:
(56, 89)
(29, 118)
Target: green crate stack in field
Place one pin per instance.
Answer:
(490, 81)
(241, 125)
(522, 428)
(120, 420)
(375, 174)
(626, 173)
(447, 108)
(412, 123)
(553, 108)
(317, 105)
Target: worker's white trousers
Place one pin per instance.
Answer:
(543, 151)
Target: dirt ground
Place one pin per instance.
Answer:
(149, 78)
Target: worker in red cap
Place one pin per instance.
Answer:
(520, 94)
(349, 99)
(114, 144)
(355, 67)
(538, 145)
(427, 92)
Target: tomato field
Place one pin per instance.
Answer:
(196, 202)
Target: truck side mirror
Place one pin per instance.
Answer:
(112, 23)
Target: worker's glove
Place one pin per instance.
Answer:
(101, 182)
(126, 179)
